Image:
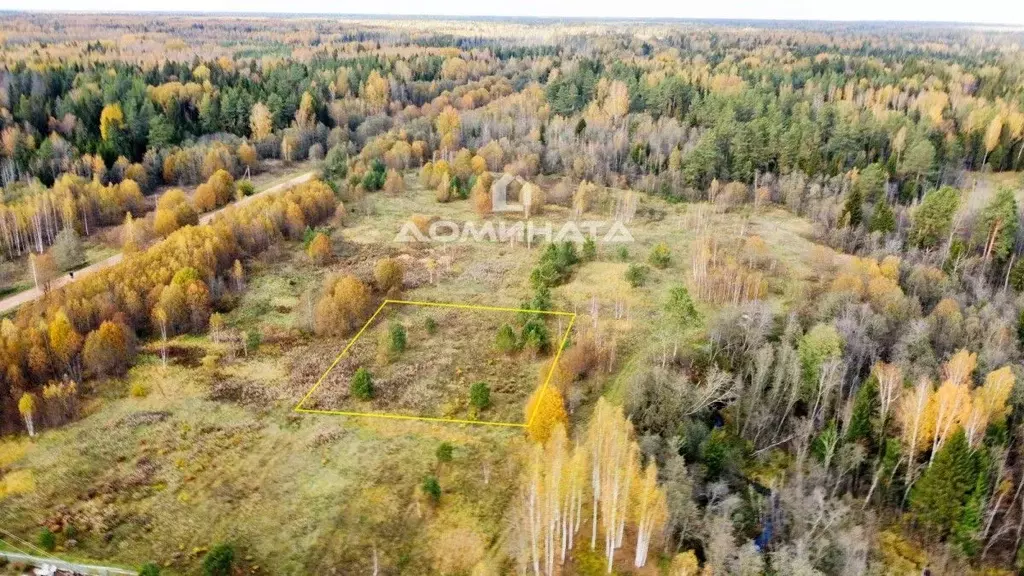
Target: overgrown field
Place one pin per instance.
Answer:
(173, 459)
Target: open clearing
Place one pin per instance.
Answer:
(214, 451)
(431, 378)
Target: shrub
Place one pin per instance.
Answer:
(388, 273)
(444, 452)
(219, 560)
(209, 361)
(432, 488)
(660, 256)
(245, 188)
(47, 540)
(505, 341)
(480, 395)
(622, 253)
(397, 338)
(636, 275)
(138, 390)
(150, 569)
(431, 326)
(362, 384)
(343, 306)
(589, 249)
(590, 563)
(320, 249)
(253, 339)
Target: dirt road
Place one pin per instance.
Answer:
(65, 566)
(12, 302)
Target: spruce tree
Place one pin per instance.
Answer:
(938, 498)
(883, 219)
(853, 212)
(865, 411)
(968, 526)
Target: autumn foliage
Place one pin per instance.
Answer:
(94, 319)
(544, 411)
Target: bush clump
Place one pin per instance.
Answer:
(480, 395)
(637, 274)
(505, 342)
(219, 560)
(432, 488)
(362, 384)
(47, 540)
(397, 338)
(445, 452)
(660, 256)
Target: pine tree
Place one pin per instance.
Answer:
(934, 218)
(938, 498)
(996, 229)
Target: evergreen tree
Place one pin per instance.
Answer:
(219, 560)
(871, 182)
(681, 308)
(853, 211)
(997, 226)
(934, 219)
(362, 384)
(883, 219)
(968, 525)
(505, 342)
(161, 132)
(865, 411)
(937, 500)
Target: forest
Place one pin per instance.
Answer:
(808, 361)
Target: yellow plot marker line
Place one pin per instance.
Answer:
(338, 359)
(477, 307)
(554, 364)
(406, 417)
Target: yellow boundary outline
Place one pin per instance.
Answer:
(547, 379)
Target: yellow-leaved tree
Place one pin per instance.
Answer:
(951, 403)
(65, 342)
(27, 408)
(988, 404)
(111, 118)
(261, 121)
(554, 498)
(376, 92)
(544, 411)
